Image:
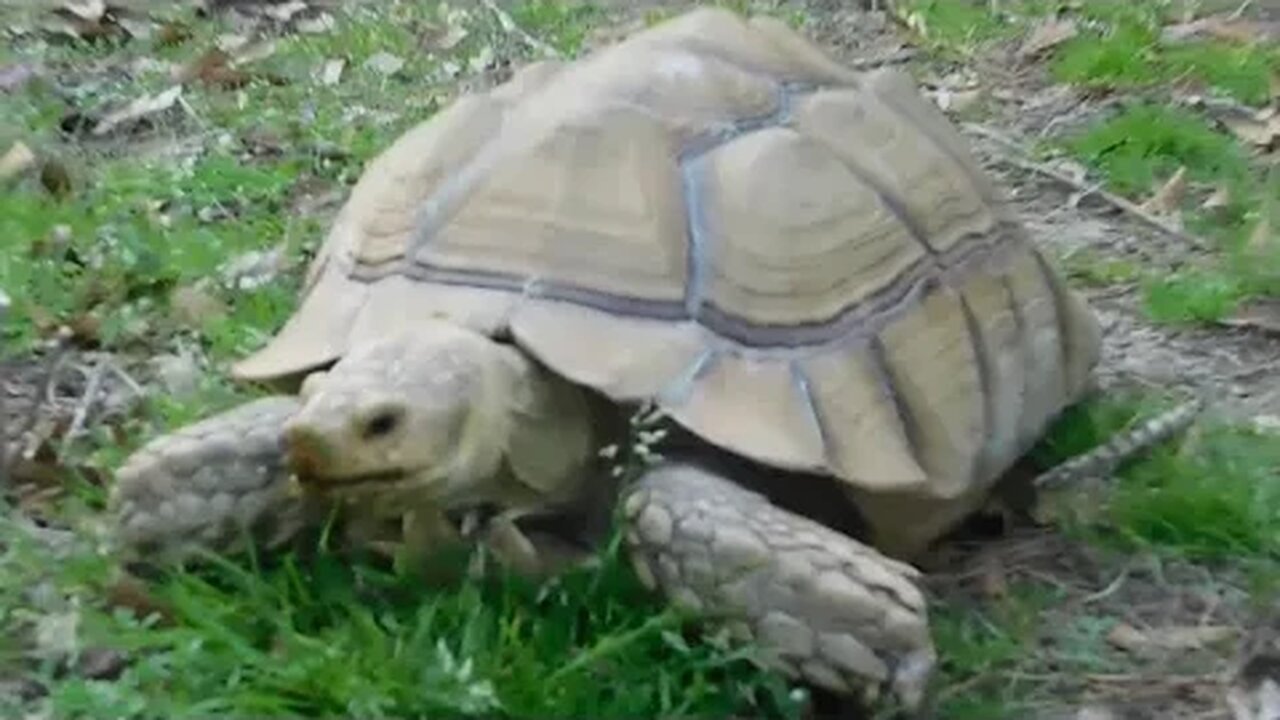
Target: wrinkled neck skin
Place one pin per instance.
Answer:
(436, 419)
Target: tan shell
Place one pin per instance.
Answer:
(801, 263)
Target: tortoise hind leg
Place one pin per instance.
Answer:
(207, 483)
(821, 606)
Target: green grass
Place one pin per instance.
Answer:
(329, 636)
(1135, 151)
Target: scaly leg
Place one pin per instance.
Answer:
(819, 604)
(208, 483)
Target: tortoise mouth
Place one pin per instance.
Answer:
(363, 483)
(381, 478)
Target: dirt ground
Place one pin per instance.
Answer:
(1229, 366)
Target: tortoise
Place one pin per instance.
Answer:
(802, 266)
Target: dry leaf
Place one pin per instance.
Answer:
(1046, 35)
(16, 161)
(172, 33)
(1167, 200)
(331, 72)
(57, 635)
(130, 593)
(1225, 27)
(285, 11)
(253, 269)
(138, 109)
(13, 77)
(385, 63)
(992, 579)
(87, 20)
(55, 178)
(1168, 639)
(1262, 129)
(1220, 198)
(194, 305)
(956, 100)
(1257, 313)
(321, 23)
(91, 10)
(212, 68)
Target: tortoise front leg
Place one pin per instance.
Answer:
(209, 485)
(821, 606)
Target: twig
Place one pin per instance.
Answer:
(1109, 590)
(1019, 159)
(82, 408)
(896, 57)
(134, 386)
(509, 25)
(60, 348)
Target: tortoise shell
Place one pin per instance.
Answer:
(798, 263)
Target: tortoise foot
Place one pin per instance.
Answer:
(820, 605)
(209, 485)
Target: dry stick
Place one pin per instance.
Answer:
(896, 57)
(509, 25)
(1019, 159)
(82, 408)
(4, 390)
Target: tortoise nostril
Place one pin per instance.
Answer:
(305, 450)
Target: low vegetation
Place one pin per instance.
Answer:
(179, 229)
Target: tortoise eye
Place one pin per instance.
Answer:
(382, 423)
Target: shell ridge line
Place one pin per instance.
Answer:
(986, 378)
(884, 379)
(690, 163)
(677, 392)
(890, 201)
(801, 380)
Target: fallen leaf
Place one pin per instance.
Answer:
(443, 38)
(212, 68)
(481, 60)
(92, 10)
(100, 663)
(992, 579)
(87, 20)
(1220, 198)
(253, 52)
(13, 77)
(16, 161)
(1261, 129)
(172, 33)
(253, 269)
(384, 63)
(231, 42)
(1224, 26)
(57, 635)
(178, 374)
(1048, 34)
(194, 305)
(956, 100)
(283, 12)
(331, 72)
(55, 178)
(138, 109)
(1168, 639)
(130, 593)
(1256, 313)
(1167, 200)
(321, 23)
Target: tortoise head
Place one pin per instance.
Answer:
(407, 411)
